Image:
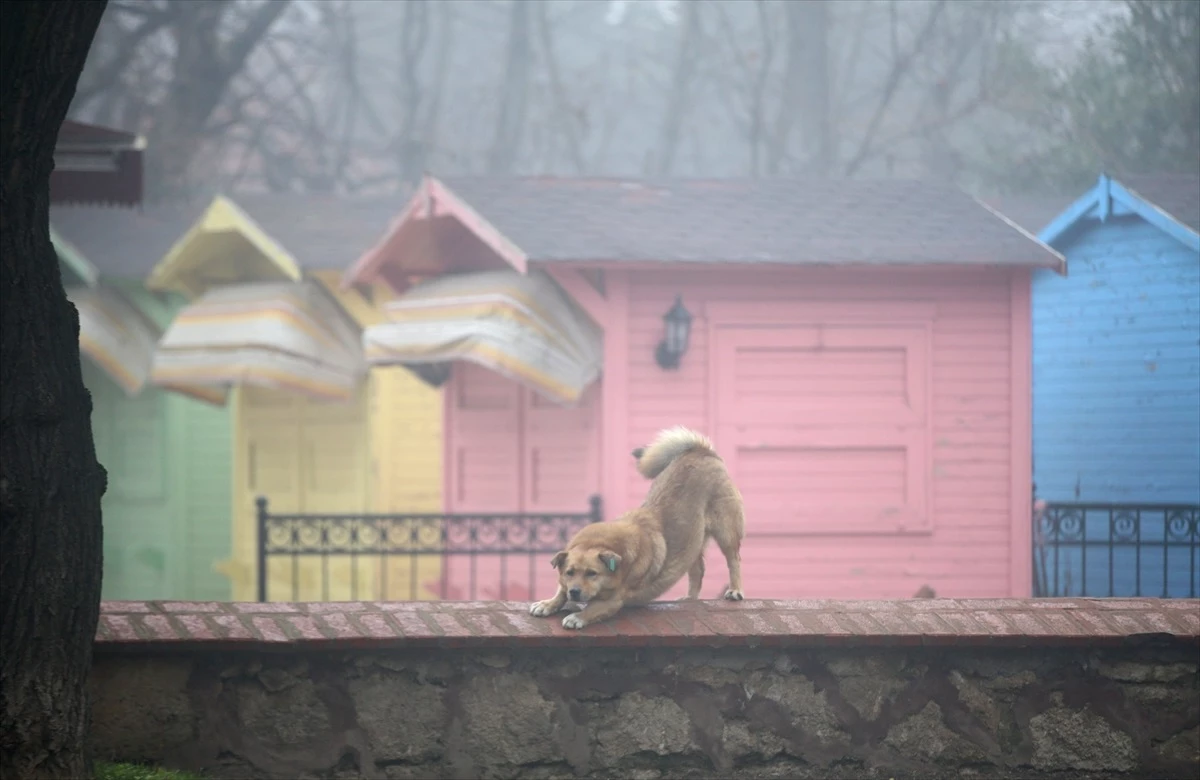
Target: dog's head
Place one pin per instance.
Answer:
(587, 572)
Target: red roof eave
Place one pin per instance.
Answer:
(97, 165)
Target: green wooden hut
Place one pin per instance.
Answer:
(166, 510)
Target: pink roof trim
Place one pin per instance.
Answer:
(431, 198)
(582, 292)
(449, 204)
(366, 268)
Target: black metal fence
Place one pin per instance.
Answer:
(1148, 550)
(400, 557)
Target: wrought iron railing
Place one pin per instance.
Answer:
(1085, 549)
(438, 556)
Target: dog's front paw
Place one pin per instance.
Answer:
(733, 595)
(574, 621)
(543, 608)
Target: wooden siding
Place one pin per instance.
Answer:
(405, 433)
(306, 457)
(966, 551)
(512, 451)
(406, 422)
(828, 402)
(1117, 380)
(919, 365)
(1117, 369)
(206, 436)
(381, 453)
(166, 510)
(508, 450)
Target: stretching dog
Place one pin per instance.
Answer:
(639, 556)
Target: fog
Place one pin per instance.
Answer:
(364, 95)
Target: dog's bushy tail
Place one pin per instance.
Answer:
(667, 446)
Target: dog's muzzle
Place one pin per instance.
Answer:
(575, 594)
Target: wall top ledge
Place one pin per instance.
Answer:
(209, 626)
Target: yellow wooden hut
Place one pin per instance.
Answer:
(313, 431)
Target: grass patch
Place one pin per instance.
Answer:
(139, 772)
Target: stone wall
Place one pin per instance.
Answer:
(1062, 689)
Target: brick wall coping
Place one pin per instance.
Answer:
(499, 624)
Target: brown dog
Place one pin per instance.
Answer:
(639, 556)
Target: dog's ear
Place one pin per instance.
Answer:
(637, 454)
(610, 560)
(558, 559)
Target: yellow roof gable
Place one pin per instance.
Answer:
(224, 246)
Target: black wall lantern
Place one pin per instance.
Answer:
(677, 327)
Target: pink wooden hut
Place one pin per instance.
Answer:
(859, 352)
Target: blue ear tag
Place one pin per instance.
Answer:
(612, 564)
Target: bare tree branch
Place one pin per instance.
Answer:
(793, 78)
(123, 51)
(818, 138)
(900, 68)
(414, 32)
(233, 55)
(754, 65)
(514, 92)
(768, 88)
(203, 70)
(679, 96)
(561, 106)
(441, 72)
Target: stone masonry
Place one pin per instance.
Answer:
(915, 689)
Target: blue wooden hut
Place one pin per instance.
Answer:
(1116, 384)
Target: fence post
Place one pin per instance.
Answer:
(260, 504)
(596, 508)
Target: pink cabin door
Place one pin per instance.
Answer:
(510, 451)
(824, 426)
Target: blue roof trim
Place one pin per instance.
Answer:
(1109, 197)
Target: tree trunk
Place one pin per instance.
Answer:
(814, 24)
(510, 125)
(50, 482)
(793, 80)
(414, 32)
(678, 100)
(805, 90)
(204, 65)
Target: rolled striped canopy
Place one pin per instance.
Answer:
(521, 326)
(282, 335)
(115, 335)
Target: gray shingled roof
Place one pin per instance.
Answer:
(323, 232)
(769, 221)
(123, 242)
(320, 231)
(1032, 212)
(1176, 194)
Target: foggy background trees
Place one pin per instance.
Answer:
(362, 95)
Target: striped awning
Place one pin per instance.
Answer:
(521, 326)
(115, 335)
(281, 335)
